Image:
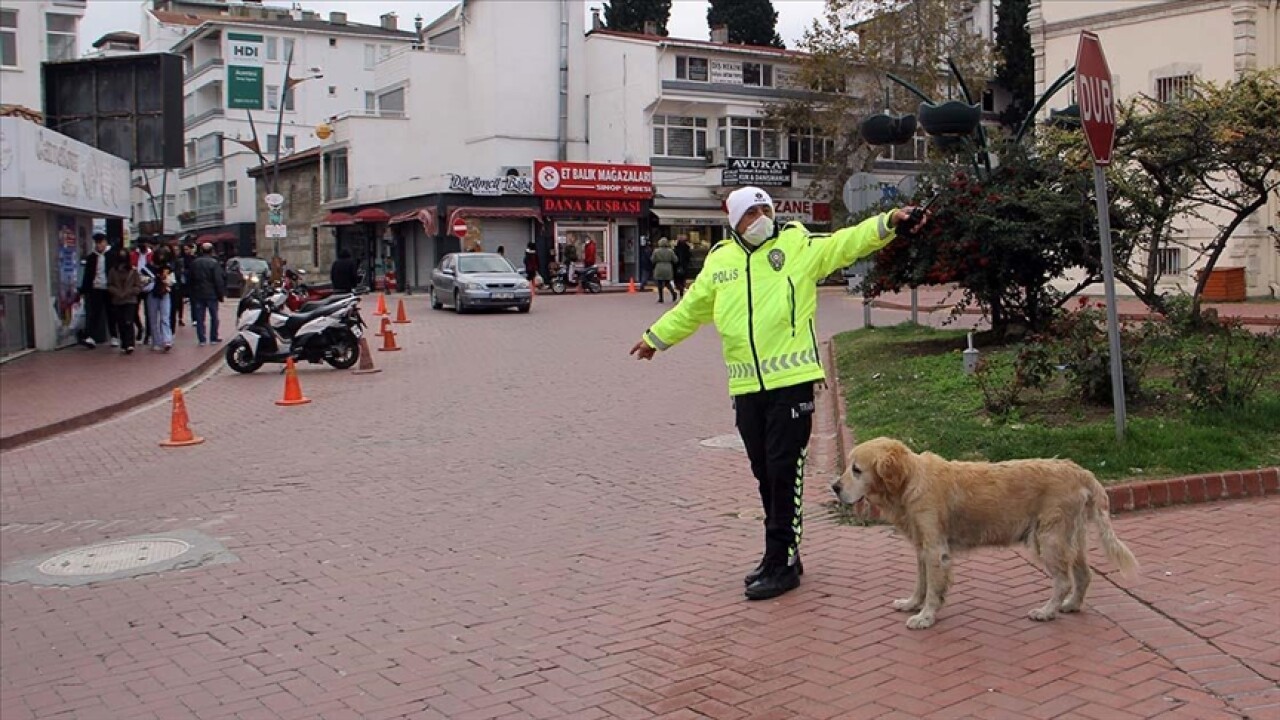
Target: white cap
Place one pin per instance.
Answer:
(742, 200)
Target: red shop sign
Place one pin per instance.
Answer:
(594, 180)
(590, 206)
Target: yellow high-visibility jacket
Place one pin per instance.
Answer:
(763, 301)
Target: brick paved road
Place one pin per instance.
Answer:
(515, 520)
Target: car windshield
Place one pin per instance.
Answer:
(253, 265)
(483, 264)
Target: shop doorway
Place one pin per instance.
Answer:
(579, 235)
(628, 253)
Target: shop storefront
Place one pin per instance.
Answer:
(51, 190)
(600, 209)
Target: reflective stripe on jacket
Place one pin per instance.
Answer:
(763, 301)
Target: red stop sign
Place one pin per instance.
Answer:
(1097, 102)
(459, 227)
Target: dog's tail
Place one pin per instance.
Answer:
(1099, 508)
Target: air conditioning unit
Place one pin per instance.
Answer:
(715, 156)
(516, 170)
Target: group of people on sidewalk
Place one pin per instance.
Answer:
(671, 266)
(139, 294)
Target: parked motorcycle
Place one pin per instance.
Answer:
(330, 333)
(588, 278)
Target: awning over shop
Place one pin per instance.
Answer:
(338, 218)
(426, 216)
(372, 215)
(494, 212)
(690, 216)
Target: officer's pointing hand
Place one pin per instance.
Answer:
(642, 351)
(902, 219)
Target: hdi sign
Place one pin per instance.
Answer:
(244, 71)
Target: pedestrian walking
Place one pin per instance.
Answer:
(343, 273)
(759, 287)
(93, 291)
(124, 284)
(684, 257)
(207, 287)
(664, 262)
(158, 289)
(530, 262)
(178, 294)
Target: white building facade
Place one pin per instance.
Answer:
(212, 197)
(33, 32)
(1209, 40)
(498, 89)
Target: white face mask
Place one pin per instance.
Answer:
(759, 231)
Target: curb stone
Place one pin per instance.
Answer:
(1125, 497)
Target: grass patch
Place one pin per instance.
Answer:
(908, 382)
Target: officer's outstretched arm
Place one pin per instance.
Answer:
(695, 309)
(842, 248)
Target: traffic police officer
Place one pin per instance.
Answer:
(759, 287)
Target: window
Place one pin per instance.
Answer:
(808, 146)
(914, 151)
(170, 205)
(333, 91)
(273, 98)
(333, 42)
(370, 56)
(60, 37)
(208, 147)
(189, 199)
(1173, 89)
(272, 49)
(8, 38)
(757, 74)
(287, 48)
(691, 68)
(677, 136)
(988, 100)
(744, 137)
(370, 103)
(273, 140)
(1169, 260)
(391, 103)
(209, 196)
(233, 193)
(335, 175)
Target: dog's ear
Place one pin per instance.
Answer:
(891, 468)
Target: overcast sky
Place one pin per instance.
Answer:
(688, 17)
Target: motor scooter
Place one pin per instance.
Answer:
(587, 277)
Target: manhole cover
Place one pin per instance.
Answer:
(725, 442)
(113, 557)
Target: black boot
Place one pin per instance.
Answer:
(774, 582)
(759, 570)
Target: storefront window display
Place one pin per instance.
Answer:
(701, 239)
(581, 236)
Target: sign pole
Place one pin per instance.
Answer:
(1098, 120)
(1109, 281)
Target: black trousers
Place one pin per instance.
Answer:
(126, 319)
(99, 323)
(775, 426)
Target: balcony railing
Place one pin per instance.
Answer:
(199, 117)
(210, 63)
(200, 166)
(202, 216)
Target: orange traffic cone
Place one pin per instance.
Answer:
(631, 286)
(292, 390)
(382, 305)
(386, 325)
(366, 360)
(179, 432)
(389, 342)
(401, 318)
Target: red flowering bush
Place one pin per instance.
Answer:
(1001, 237)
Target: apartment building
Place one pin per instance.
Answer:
(332, 73)
(1157, 48)
(34, 32)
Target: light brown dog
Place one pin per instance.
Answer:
(944, 506)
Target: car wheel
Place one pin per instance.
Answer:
(524, 308)
(435, 300)
(240, 358)
(457, 303)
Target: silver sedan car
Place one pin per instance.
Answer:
(470, 281)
